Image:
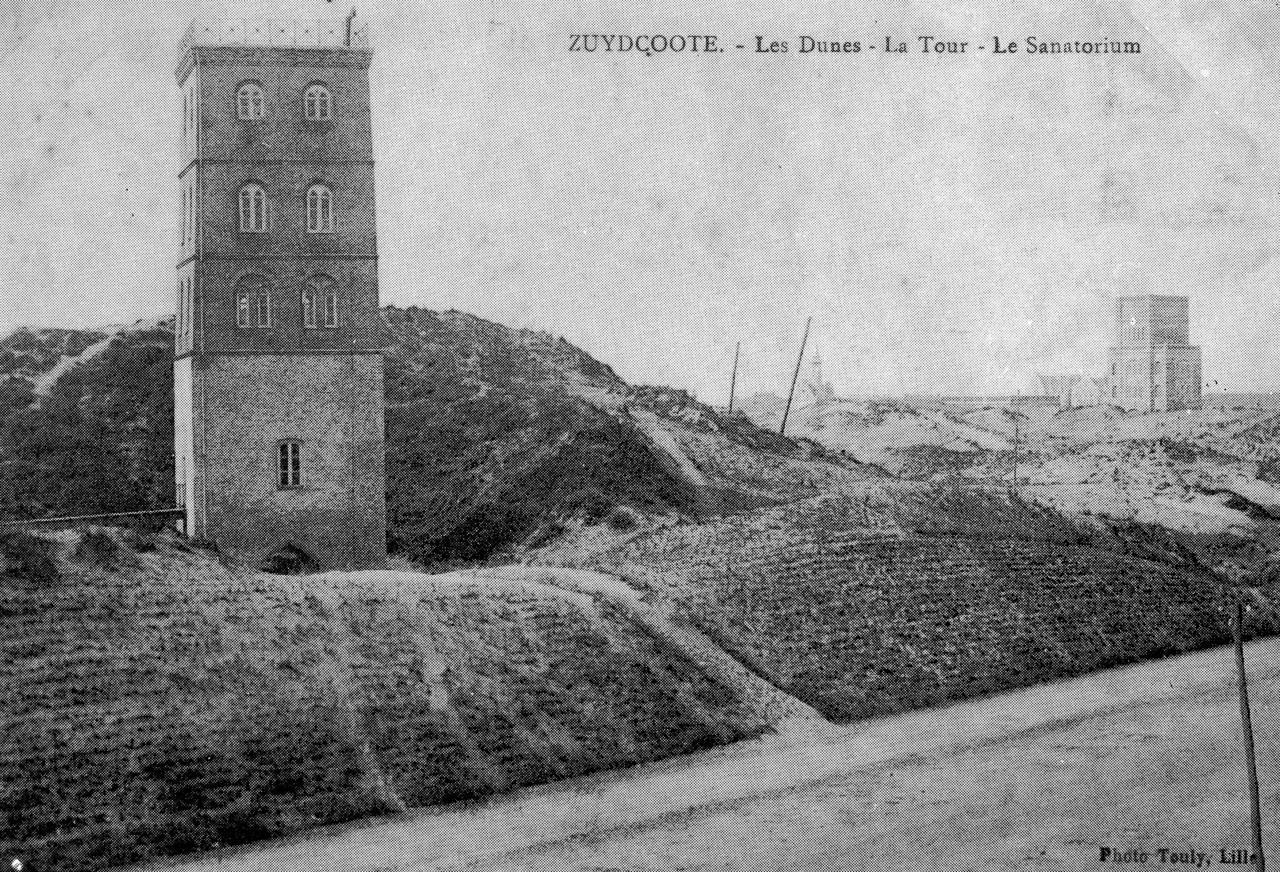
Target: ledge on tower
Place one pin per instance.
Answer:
(278, 33)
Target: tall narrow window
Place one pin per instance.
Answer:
(331, 307)
(253, 209)
(317, 103)
(309, 305)
(180, 329)
(253, 302)
(188, 307)
(191, 213)
(319, 209)
(289, 463)
(250, 103)
(264, 308)
(186, 214)
(320, 302)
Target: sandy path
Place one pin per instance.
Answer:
(46, 381)
(1142, 757)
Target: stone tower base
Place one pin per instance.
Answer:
(241, 407)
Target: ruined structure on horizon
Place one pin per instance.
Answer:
(1153, 366)
(278, 365)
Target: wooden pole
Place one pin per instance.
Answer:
(1246, 722)
(795, 377)
(733, 379)
(1016, 434)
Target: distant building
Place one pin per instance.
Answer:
(1099, 391)
(1062, 386)
(969, 403)
(278, 370)
(821, 391)
(1153, 366)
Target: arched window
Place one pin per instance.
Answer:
(253, 209)
(309, 300)
(250, 103)
(289, 463)
(317, 103)
(319, 209)
(264, 308)
(320, 302)
(253, 302)
(330, 302)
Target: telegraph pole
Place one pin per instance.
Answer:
(733, 379)
(1246, 723)
(1016, 434)
(795, 376)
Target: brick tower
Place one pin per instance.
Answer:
(278, 364)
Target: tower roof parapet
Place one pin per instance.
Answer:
(277, 33)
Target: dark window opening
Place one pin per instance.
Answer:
(289, 464)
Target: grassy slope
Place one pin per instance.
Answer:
(497, 435)
(324, 701)
(153, 701)
(486, 445)
(102, 440)
(1147, 756)
(27, 354)
(922, 596)
(494, 436)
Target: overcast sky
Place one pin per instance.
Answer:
(953, 225)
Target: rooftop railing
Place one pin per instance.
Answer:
(307, 33)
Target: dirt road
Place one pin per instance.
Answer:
(1143, 758)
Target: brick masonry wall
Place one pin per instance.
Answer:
(183, 433)
(1170, 321)
(329, 393)
(286, 154)
(359, 325)
(1184, 377)
(284, 133)
(286, 187)
(333, 404)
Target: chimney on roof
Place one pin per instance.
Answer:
(351, 16)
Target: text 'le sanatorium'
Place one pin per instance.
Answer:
(804, 44)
